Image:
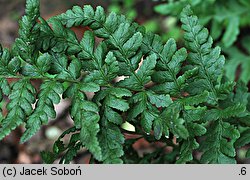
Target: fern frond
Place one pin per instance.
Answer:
(202, 55)
(49, 95)
(228, 112)
(138, 80)
(86, 117)
(192, 114)
(181, 93)
(194, 130)
(168, 66)
(119, 34)
(9, 65)
(244, 139)
(111, 140)
(194, 100)
(28, 32)
(4, 90)
(217, 148)
(22, 97)
(52, 37)
(144, 110)
(172, 118)
(186, 151)
(39, 66)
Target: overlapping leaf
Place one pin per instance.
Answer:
(139, 79)
(28, 32)
(49, 95)
(202, 55)
(217, 148)
(57, 38)
(39, 66)
(86, 118)
(9, 65)
(168, 66)
(19, 107)
(145, 107)
(216, 14)
(111, 143)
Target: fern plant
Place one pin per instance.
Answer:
(228, 17)
(232, 18)
(179, 97)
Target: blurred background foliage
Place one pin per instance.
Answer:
(227, 20)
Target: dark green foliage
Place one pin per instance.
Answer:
(228, 17)
(19, 107)
(179, 97)
(239, 58)
(227, 22)
(169, 65)
(111, 143)
(28, 32)
(49, 95)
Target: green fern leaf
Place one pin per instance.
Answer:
(4, 87)
(231, 111)
(40, 67)
(169, 65)
(194, 100)
(188, 146)
(28, 33)
(232, 31)
(202, 55)
(21, 99)
(8, 66)
(105, 71)
(144, 107)
(88, 134)
(137, 81)
(111, 141)
(70, 153)
(216, 147)
(244, 139)
(58, 38)
(59, 146)
(89, 87)
(118, 73)
(77, 106)
(174, 122)
(192, 114)
(159, 100)
(85, 116)
(65, 70)
(186, 151)
(238, 58)
(49, 95)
